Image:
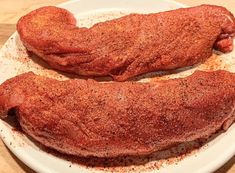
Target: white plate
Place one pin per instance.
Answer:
(14, 60)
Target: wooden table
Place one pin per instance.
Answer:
(10, 12)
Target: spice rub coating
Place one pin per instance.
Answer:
(88, 118)
(128, 46)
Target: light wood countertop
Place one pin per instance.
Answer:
(10, 12)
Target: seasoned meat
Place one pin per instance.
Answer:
(88, 118)
(128, 46)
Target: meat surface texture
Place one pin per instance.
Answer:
(87, 118)
(128, 46)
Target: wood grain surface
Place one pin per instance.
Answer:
(10, 12)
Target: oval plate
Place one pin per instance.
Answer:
(14, 60)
